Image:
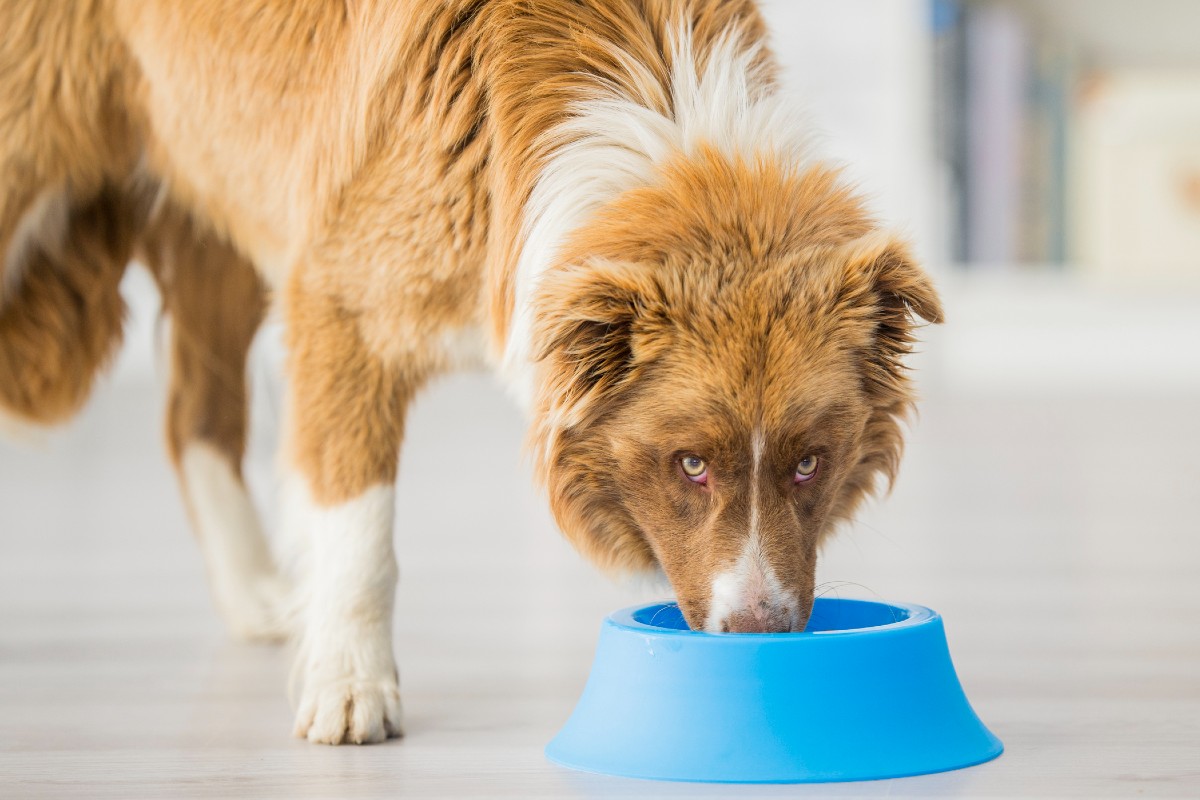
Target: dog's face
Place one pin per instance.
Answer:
(713, 411)
(729, 459)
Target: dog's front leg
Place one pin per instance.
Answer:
(346, 417)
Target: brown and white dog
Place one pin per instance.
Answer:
(606, 200)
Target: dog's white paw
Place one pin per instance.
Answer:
(345, 669)
(255, 610)
(349, 711)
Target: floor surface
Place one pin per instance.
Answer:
(1058, 535)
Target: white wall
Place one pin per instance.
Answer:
(863, 69)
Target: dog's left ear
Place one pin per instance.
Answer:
(882, 280)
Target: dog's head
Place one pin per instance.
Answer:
(721, 382)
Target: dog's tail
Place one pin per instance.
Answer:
(61, 321)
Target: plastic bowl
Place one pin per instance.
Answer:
(867, 691)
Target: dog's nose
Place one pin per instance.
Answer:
(760, 618)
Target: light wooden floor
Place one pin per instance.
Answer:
(1058, 535)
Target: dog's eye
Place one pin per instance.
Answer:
(806, 469)
(695, 468)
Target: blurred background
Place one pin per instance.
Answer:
(1044, 158)
(1028, 136)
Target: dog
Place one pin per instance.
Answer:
(607, 201)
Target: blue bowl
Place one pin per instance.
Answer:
(866, 691)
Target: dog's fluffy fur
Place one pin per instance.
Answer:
(604, 199)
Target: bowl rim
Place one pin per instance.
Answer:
(623, 619)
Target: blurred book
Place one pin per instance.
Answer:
(997, 79)
(1002, 106)
(1044, 225)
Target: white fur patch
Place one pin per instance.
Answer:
(44, 224)
(345, 665)
(748, 583)
(249, 592)
(614, 142)
(756, 450)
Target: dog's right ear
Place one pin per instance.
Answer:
(890, 293)
(882, 266)
(583, 337)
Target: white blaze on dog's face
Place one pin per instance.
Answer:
(717, 392)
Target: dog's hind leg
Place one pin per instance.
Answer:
(215, 302)
(68, 144)
(62, 322)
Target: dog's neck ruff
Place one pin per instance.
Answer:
(613, 142)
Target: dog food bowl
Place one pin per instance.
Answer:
(866, 691)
